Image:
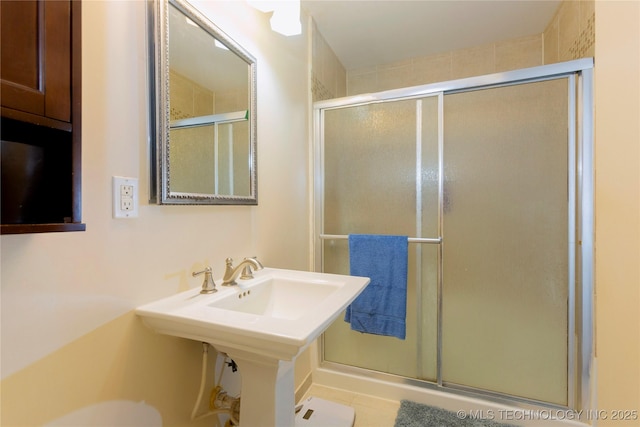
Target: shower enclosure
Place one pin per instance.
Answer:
(491, 179)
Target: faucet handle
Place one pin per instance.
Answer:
(231, 273)
(247, 272)
(208, 285)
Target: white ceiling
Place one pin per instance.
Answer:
(364, 33)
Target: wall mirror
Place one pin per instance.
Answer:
(202, 110)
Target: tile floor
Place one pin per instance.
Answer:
(370, 411)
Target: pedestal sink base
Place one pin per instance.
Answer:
(267, 397)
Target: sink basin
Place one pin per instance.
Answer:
(262, 324)
(277, 313)
(278, 297)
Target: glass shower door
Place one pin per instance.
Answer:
(492, 171)
(381, 177)
(506, 240)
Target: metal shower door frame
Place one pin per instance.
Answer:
(581, 211)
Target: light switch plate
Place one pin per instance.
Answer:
(125, 197)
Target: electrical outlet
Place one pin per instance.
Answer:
(125, 197)
(126, 190)
(126, 204)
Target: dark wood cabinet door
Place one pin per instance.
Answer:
(40, 116)
(36, 57)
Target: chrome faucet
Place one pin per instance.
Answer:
(208, 285)
(231, 273)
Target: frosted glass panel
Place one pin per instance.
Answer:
(372, 155)
(211, 159)
(192, 155)
(429, 225)
(370, 163)
(505, 240)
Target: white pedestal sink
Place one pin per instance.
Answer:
(262, 324)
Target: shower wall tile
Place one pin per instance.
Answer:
(362, 82)
(569, 35)
(571, 32)
(328, 66)
(316, 41)
(568, 27)
(431, 69)
(341, 81)
(521, 53)
(182, 91)
(234, 100)
(189, 99)
(327, 72)
(397, 74)
(585, 45)
(318, 91)
(550, 36)
(203, 101)
(588, 39)
(503, 56)
(473, 62)
(587, 29)
(587, 12)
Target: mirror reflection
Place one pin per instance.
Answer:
(205, 148)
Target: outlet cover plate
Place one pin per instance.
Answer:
(125, 197)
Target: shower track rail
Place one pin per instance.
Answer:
(436, 240)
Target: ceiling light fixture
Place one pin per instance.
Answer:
(286, 15)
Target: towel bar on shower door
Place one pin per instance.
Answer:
(436, 240)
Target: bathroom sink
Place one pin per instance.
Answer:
(277, 313)
(262, 324)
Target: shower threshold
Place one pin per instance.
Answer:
(464, 401)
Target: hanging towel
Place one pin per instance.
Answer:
(382, 307)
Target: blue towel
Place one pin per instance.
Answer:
(381, 308)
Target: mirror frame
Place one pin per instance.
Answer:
(159, 111)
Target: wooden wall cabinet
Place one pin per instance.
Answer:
(41, 115)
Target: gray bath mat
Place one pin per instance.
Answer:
(412, 414)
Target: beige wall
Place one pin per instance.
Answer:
(70, 341)
(617, 164)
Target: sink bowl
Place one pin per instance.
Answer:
(278, 297)
(262, 324)
(277, 313)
